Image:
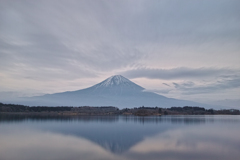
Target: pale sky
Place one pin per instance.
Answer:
(188, 49)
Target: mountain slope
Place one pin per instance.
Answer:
(115, 91)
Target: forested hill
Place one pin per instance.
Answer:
(110, 110)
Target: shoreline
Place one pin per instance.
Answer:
(110, 110)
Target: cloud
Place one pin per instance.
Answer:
(159, 91)
(179, 73)
(190, 81)
(166, 84)
(47, 41)
(106, 35)
(219, 86)
(188, 84)
(54, 46)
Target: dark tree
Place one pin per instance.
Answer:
(160, 110)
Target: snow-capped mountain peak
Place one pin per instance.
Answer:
(115, 80)
(117, 83)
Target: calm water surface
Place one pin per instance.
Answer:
(120, 138)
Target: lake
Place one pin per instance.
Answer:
(119, 137)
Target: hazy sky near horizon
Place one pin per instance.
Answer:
(188, 49)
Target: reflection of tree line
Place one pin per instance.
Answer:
(181, 119)
(166, 119)
(116, 118)
(24, 117)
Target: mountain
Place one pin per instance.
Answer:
(115, 91)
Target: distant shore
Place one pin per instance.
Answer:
(13, 109)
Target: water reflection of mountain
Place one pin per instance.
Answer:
(114, 133)
(129, 130)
